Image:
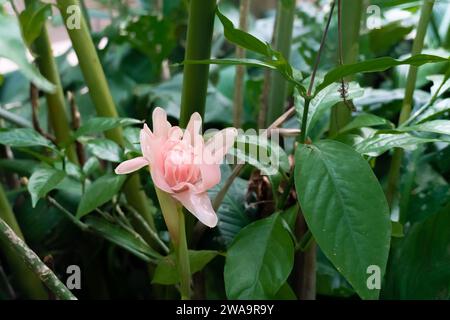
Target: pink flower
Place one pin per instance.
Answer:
(181, 163)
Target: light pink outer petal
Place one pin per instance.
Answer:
(193, 128)
(161, 126)
(199, 205)
(131, 165)
(210, 175)
(217, 147)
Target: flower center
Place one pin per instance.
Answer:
(179, 165)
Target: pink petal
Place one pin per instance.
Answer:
(217, 147)
(210, 176)
(146, 140)
(193, 128)
(199, 205)
(131, 165)
(160, 124)
(159, 180)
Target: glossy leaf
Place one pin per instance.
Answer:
(323, 102)
(122, 238)
(434, 126)
(380, 143)
(24, 138)
(42, 181)
(374, 65)
(105, 149)
(167, 273)
(101, 124)
(264, 154)
(99, 192)
(232, 214)
(345, 209)
(32, 20)
(434, 110)
(259, 260)
(242, 38)
(366, 120)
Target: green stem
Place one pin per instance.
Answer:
(240, 70)
(350, 15)
(198, 47)
(101, 96)
(33, 262)
(283, 40)
(304, 120)
(183, 259)
(28, 283)
(394, 171)
(55, 101)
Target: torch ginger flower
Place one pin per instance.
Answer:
(181, 163)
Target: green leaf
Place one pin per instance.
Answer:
(42, 181)
(99, 192)
(24, 138)
(374, 65)
(347, 213)
(32, 19)
(323, 102)
(264, 154)
(167, 273)
(233, 62)
(122, 238)
(259, 261)
(101, 124)
(366, 120)
(434, 126)
(12, 47)
(105, 149)
(285, 293)
(441, 84)
(241, 38)
(419, 266)
(380, 143)
(231, 213)
(434, 110)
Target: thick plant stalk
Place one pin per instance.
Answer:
(174, 217)
(183, 258)
(394, 172)
(240, 70)
(8, 236)
(28, 283)
(198, 47)
(101, 96)
(283, 40)
(55, 101)
(351, 14)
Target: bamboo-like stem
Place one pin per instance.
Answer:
(394, 171)
(28, 283)
(182, 253)
(198, 47)
(283, 40)
(8, 236)
(349, 30)
(240, 69)
(85, 11)
(55, 101)
(101, 96)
